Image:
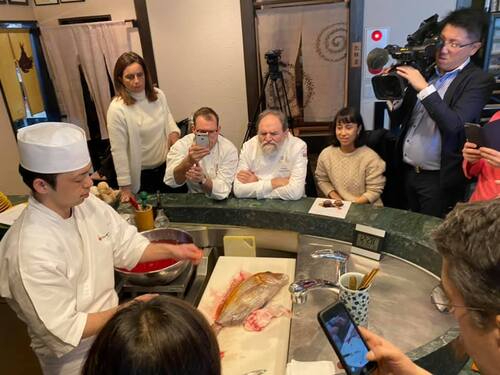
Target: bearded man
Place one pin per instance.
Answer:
(273, 164)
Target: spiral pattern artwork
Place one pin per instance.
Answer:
(331, 43)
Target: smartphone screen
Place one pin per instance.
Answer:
(346, 339)
(202, 139)
(473, 133)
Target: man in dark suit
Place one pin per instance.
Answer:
(432, 115)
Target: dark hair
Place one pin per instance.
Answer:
(207, 113)
(162, 336)
(474, 21)
(344, 116)
(469, 240)
(29, 177)
(280, 115)
(126, 59)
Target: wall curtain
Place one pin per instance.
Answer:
(95, 47)
(322, 33)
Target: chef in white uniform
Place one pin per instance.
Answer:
(273, 164)
(208, 170)
(57, 259)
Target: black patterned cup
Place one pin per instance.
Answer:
(356, 301)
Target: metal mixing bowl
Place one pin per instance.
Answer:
(165, 275)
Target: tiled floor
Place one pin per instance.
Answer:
(16, 356)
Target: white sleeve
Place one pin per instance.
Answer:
(175, 155)
(260, 189)
(118, 138)
(51, 295)
(222, 183)
(296, 185)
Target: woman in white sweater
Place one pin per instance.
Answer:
(347, 169)
(141, 128)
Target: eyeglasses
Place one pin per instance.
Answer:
(453, 45)
(442, 303)
(131, 76)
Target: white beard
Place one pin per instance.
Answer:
(269, 149)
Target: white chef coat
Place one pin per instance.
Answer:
(54, 271)
(220, 165)
(289, 161)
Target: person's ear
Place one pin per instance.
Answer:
(41, 186)
(475, 47)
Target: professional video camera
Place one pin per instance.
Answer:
(419, 52)
(273, 59)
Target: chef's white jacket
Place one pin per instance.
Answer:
(220, 165)
(54, 271)
(289, 161)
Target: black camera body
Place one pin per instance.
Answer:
(273, 59)
(419, 52)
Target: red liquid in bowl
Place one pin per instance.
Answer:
(157, 264)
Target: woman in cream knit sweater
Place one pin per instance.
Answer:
(347, 169)
(141, 128)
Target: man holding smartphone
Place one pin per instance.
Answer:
(204, 159)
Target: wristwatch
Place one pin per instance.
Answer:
(203, 180)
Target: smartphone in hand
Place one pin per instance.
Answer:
(346, 339)
(473, 133)
(202, 139)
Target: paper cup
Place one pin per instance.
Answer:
(144, 218)
(356, 301)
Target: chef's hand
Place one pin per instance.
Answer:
(126, 193)
(146, 297)
(279, 182)
(491, 156)
(471, 153)
(390, 359)
(246, 177)
(187, 251)
(413, 76)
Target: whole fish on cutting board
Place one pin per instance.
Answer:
(247, 296)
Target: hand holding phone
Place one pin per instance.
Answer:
(346, 339)
(202, 139)
(473, 133)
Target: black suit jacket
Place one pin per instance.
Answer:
(464, 99)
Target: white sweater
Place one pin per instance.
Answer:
(132, 136)
(290, 161)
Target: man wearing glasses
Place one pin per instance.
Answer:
(432, 115)
(204, 159)
(469, 242)
(273, 164)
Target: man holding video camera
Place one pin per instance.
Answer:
(432, 115)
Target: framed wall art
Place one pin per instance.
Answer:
(46, 2)
(18, 2)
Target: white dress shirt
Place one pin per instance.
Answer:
(290, 161)
(220, 165)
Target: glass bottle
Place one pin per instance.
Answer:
(161, 220)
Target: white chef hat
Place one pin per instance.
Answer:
(52, 147)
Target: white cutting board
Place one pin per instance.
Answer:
(244, 351)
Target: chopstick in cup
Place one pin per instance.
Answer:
(367, 280)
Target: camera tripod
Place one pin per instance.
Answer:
(278, 91)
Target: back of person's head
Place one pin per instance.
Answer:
(469, 240)
(474, 21)
(126, 59)
(162, 336)
(279, 114)
(344, 116)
